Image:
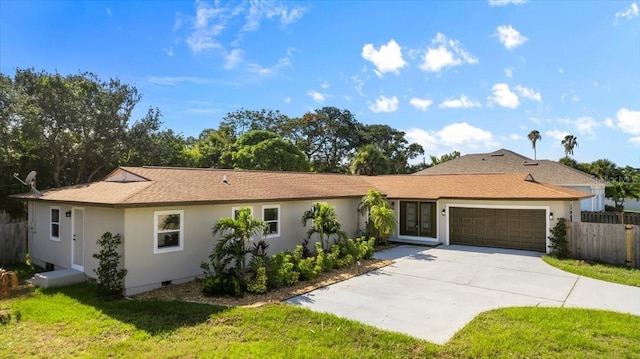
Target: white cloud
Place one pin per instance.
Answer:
(629, 121)
(575, 98)
(586, 125)
(109, 11)
(557, 135)
(609, 123)
(259, 10)
(208, 24)
(508, 72)
(560, 70)
(173, 80)
(531, 94)
(232, 59)
(286, 99)
(268, 71)
(445, 53)
(421, 104)
(506, 2)
(459, 136)
(325, 85)
(168, 51)
(510, 37)
(317, 96)
(628, 14)
(385, 104)
(503, 96)
(635, 140)
(462, 102)
(387, 59)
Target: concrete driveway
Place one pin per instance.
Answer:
(431, 293)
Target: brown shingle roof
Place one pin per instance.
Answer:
(165, 186)
(505, 161)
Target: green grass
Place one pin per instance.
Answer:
(609, 273)
(71, 322)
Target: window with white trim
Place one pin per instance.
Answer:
(271, 216)
(168, 231)
(54, 226)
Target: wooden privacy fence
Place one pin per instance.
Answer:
(611, 217)
(608, 243)
(13, 240)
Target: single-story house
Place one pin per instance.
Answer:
(546, 171)
(503, 210)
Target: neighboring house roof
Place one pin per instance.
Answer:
(146, 186)
(505, 161)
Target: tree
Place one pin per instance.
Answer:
(324, 223)
(328, 136)
(624, 184)
(603, 168)
(370, 161)
(392, 144)
(569, 142)
(534, 136)
(444, 158)
(242, 121)
(264, 150)
(232, 247)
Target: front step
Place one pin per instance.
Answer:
(58, 278)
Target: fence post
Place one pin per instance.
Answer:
(628, 230)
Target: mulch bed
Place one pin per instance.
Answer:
(192, 291)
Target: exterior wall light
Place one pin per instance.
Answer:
(443, 212)
(551, 216)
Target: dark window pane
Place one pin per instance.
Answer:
(55, 230)
(270, 214)
(55, 215)
(273, 228)
(170, 239)
(168, 221)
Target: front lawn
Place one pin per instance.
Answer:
(609, 273)
(70, 322)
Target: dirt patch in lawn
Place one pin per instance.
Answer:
(192, 291)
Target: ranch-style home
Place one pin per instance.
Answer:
(510, 210)
(546, 171)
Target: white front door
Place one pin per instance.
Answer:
(77, 242)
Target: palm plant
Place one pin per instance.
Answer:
(534, 136)
(236, 233)
(382, 219)
(324, 223)
(569, 142)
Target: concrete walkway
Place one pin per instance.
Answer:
(431, 293)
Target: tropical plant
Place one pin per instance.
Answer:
(382, 219)
(370, 161)
(534, 136)
(324, 223)
(569, 142)
(232, 248)
(110, 275)
(435, 160)
(624, 184)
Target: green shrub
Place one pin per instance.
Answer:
(559, 244)
(110, 275)
(307, 268)
(258, 282)
(281, 271)
(223, 284)
(365, 247)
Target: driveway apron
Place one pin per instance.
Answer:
(431, 293)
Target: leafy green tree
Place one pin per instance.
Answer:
(569, 143)
(382, 219)
(232, 248)
(393, 145)
(435, 160)
(624, 184)
(264, 150)
(534, 136)
(324, 223)
(328, 136)
(603, 169)
(242, 121)
(370, 161)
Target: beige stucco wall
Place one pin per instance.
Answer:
(148, 270)
(97, 221)
(558, 208)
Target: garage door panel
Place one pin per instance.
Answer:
(498, 227)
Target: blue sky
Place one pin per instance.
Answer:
(472, 76)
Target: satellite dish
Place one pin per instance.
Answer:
(31, 179)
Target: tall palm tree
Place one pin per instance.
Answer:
(570, 142)
(382, 219)
(236, 233)
(534, 136)
(603, 168)
(324, 223)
